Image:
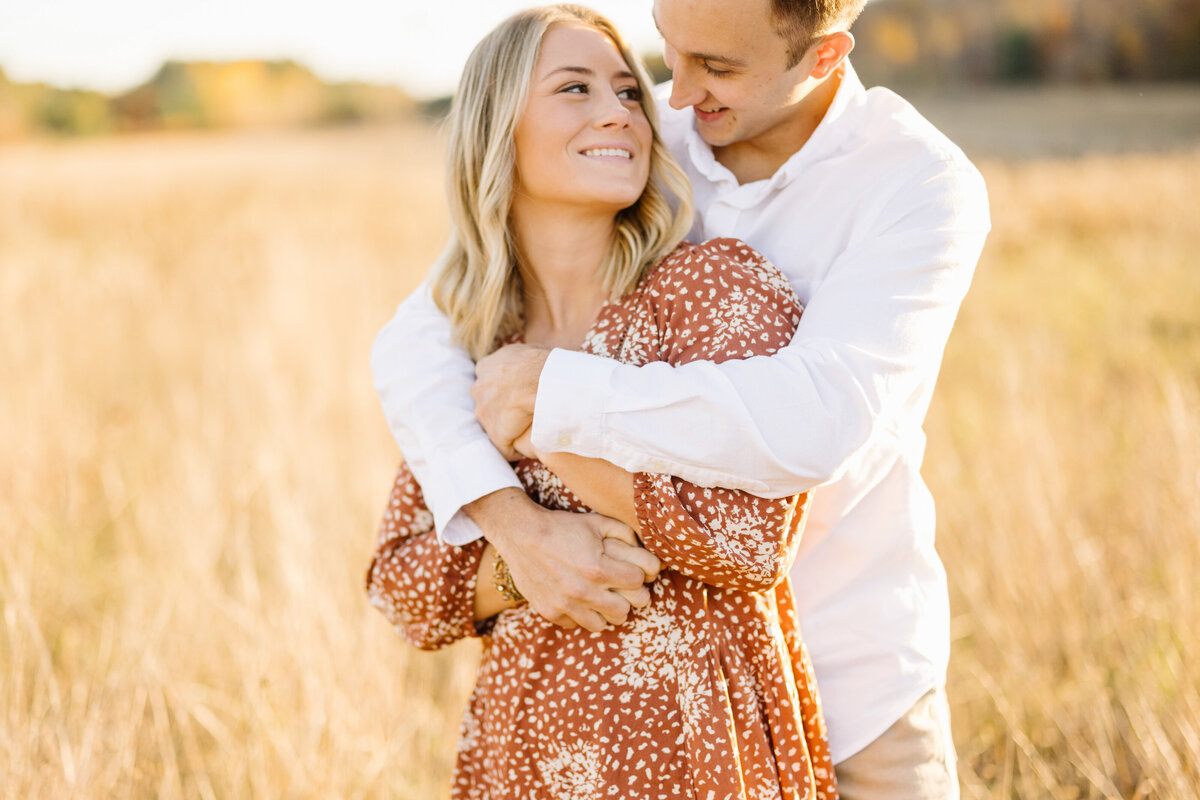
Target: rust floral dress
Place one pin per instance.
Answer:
(708, 692)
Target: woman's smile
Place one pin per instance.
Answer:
(621, 153)
(583, 139)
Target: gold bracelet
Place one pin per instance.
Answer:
(503, 581)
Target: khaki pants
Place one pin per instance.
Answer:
(912, 760)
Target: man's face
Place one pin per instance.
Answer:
(730, 66)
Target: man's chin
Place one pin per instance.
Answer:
(716, 138)
(720, 133)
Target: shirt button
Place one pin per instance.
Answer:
(564, 440)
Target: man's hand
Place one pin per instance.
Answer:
(505, 389)
(581, 570)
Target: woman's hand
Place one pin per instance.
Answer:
(621, 542)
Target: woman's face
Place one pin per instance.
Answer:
(584, 140)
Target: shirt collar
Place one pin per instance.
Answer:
(831, 132)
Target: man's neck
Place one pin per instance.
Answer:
(759, 157)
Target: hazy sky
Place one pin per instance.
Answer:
(115, 44)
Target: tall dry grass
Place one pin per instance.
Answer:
(1065, 454)
(193, 461)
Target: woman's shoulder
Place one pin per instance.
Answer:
(717, 266)
(719, 300)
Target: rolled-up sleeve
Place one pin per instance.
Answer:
(865, 355)
(424, 385)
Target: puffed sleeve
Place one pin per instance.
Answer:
(719, 301)
(425, 588)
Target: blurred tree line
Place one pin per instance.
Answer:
(1065, 41)
(924, 42)
(236, 94)
(900, 42)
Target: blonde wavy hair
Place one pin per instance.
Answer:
(476, 281)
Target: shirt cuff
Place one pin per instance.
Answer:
(571, 398)
(460, 530)
(478, 469)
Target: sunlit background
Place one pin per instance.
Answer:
(207, 210)
(91, 68)
(116, 45)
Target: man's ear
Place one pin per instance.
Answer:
(830, 51)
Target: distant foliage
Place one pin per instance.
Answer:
(899, 42)
(237, 94)
(1064, 41)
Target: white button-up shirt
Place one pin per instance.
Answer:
(878, 221)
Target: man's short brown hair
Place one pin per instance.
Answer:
(800, 22)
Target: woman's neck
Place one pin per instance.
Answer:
(561, 253)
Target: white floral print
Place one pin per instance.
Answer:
(707, 692)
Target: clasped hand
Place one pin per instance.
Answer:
(584, 570)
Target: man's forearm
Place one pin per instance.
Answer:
(863, 363)
(738, 424)
(424, 385)
(490, 510)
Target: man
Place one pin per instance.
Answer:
(877, 220)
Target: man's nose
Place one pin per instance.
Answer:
(685, 91)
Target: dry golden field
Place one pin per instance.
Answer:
(193, 461)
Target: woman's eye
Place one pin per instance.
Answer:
(577, 88)
(631, 93)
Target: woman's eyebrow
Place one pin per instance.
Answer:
(586, 71)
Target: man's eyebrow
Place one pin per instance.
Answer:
(726, 60)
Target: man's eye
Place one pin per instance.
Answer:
(717, 73)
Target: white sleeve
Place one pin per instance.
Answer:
(424, 385)
(864, 358)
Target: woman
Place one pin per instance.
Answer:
(565, 235)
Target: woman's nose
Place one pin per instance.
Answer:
(613, 111)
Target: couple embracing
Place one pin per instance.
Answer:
(660, 404)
